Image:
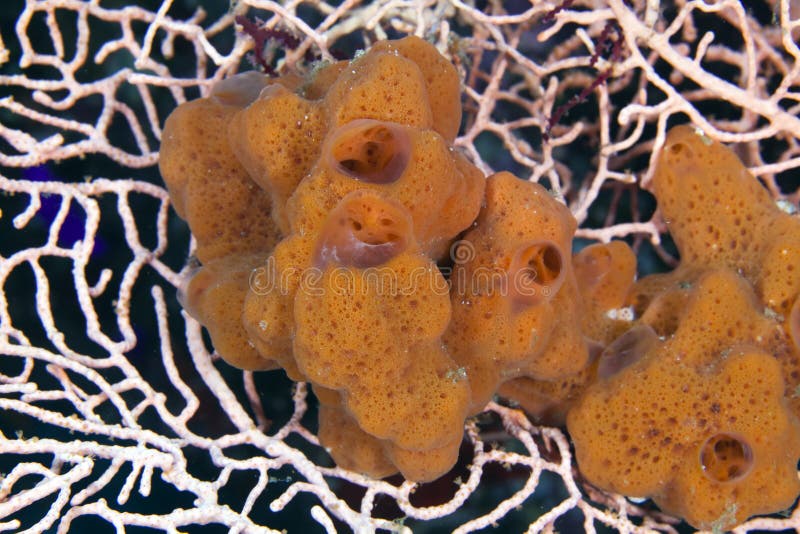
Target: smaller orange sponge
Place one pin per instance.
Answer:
(711, 421)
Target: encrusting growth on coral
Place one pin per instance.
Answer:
(324, 208)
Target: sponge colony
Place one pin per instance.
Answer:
(514, 294)
(708, 364)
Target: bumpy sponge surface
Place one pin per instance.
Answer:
(381, 305)
(215, 297)
(727, 221)
(708, 364)
(297, 185)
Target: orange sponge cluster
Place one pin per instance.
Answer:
(690, 395)
(695, 404)
(324, 208)
(320, 206)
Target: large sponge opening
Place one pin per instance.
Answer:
(726, 457)
(364, 230)
(370, 151)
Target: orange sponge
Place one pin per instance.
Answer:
(353, 166)
(709, 366)
(715, 210)
(383, 86)
(215, 297)
(278, 137)
(713, 437)
(349, 446)
(321, 205)
(416, 167)
(268, 314)
(515, 306)
(310, 154)
(727, 221)
(354, 449)
(442, 84)
(412, 166)
(605, 274)
(547, 402)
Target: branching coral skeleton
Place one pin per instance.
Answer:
(122, 424)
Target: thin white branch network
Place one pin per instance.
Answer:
(105, 388)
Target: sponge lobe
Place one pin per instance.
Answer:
(215, 297)
(227, 212)
(440, 190)
(512, 273)
(441, 81)
(277, 139)
(380, 86)
(363, 231)
(387, 319)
